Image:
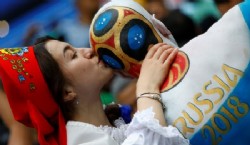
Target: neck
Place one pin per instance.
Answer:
(91, 112)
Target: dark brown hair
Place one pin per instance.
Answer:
(113, 112)
(1, 85)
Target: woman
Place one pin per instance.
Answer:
(75, 77)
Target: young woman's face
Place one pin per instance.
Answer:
(80, 65)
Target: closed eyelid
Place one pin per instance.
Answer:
(69, 54)
(66, 49)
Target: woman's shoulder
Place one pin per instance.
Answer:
(84, 133)
(79, 124)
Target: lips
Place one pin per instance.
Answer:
(101, 63)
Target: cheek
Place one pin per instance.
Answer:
(90, 72)
(77, 70)
(84, 70)
(83, 77)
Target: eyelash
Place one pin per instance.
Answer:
(74, 55)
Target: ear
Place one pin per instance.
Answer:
(69, 94)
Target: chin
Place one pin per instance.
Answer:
(107, 74)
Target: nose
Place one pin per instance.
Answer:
(86, 52)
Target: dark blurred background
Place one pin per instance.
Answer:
(12, 9)
(25, 16)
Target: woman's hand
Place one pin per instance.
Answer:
(155, 68)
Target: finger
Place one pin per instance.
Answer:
(171, 57)
(165, 54)
(160, 50)
(152, 50)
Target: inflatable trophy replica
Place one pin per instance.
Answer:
(207, 91)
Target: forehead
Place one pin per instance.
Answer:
(55, 47)
(52, 44)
